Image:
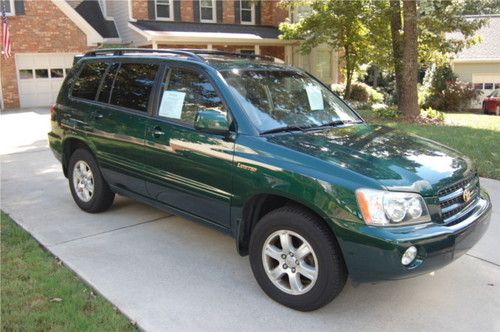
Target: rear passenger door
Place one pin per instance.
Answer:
(121, 112)
(191, 170)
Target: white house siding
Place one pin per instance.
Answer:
(322, 62)
(464, 71)
(120, 10)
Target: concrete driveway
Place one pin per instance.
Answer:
(167, 273)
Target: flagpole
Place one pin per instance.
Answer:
(1, 71)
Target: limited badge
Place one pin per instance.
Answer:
(467, 195)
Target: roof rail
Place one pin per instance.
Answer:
(193, 54)
(123, 51)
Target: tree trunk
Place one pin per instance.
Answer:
(397, 45)
(408, 102)
(348, 73)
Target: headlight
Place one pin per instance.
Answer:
(387, 208)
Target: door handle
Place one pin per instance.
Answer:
(157, 132)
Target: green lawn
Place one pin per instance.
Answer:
(475, 135)
(39, 294)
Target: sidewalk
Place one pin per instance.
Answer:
(167, 273)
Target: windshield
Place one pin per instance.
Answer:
(275, 99)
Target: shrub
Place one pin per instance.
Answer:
(457, 97)
(338, 89)
(360, 92)
(442, 91)
(430, 113)
(385, 112)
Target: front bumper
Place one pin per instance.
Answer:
(374, 253)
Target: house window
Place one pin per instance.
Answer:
(207, 11)
(164, 9)
(9, 7)
(247, 11)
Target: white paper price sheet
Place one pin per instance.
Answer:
(171, 104)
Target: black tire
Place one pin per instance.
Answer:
(102, 197)
(332, 272)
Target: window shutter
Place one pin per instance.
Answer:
(177, 10)
(258, 12)
(196, 10)
(19, 7)
(220, 10)
(151, 10)
(237, 18)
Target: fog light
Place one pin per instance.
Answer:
(409, 256)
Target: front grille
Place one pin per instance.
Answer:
(451, 198)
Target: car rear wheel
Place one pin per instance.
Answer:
(88, 188)
(296, 260)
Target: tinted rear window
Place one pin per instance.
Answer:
(87, 83)
(133, 85)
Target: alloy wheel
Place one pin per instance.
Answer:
(290, 262)
(83, 181)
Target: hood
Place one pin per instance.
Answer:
(397, 160)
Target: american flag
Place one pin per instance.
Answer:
(5, 34)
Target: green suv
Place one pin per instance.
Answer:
(268, 154)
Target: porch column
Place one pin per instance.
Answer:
(256, 49)
(209, 47)
(154, 46)
(288, 54)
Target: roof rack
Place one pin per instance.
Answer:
(123, 51)
(193, 54)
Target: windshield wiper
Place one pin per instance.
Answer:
(283, 129)
(336, 123)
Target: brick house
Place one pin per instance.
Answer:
(46, 34)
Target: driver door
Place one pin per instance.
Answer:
(188, 169)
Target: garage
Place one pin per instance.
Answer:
(40, 75)
(485, 83)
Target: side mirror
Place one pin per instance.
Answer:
(211, 121)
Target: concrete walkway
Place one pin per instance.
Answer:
(166, 273)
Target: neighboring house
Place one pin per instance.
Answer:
(243, 26)
(480, 64)
(46, 34)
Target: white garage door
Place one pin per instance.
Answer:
(40, 76)
(485, 83)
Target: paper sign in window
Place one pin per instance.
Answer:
(315, 98)
(171, 104)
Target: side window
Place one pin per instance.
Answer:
(88, 81)
(133, 84)
(186, 92)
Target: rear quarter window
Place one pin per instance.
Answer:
(87, 83)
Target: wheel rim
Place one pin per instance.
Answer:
(290, 262)
(83, 181)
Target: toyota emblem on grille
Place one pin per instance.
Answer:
(467, 195)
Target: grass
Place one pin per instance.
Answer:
(475, 135)
(40, 294)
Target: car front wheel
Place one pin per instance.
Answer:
(88, 188)
(296, 260)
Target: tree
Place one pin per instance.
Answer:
(408, 100)
(397, 45)
(395, 35)
(338, 23)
